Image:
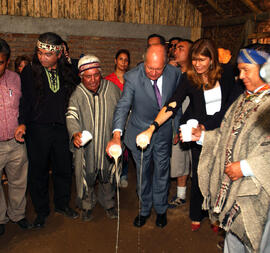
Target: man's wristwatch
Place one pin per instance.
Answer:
(156, 125)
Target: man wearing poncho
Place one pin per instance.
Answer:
(234, 171)
(91, 108)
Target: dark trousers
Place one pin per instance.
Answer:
(45, 144)
(153, 189)
(196, 199)
(126, 156)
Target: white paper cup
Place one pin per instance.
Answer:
(186, 132)
(193, 123)
(142, 141)
(115, 151)
(86, 136)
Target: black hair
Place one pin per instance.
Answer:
(4, 48)
(154, 35)
(187, 40)
(182, 40)
(123, 51)
(175, 38)
(65, 70)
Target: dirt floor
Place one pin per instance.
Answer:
(62, 234)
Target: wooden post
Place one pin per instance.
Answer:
(249, 29)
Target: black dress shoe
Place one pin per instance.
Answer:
(24, 224)
(39, 222)
(2, 229)
(140, 220)
(67, 211)
(161, 220)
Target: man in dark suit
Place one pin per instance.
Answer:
(139, 94)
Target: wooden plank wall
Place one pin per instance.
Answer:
(161, 12)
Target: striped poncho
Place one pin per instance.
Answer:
(246, 200)
(92, 112)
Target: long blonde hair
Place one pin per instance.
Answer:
(204, 47)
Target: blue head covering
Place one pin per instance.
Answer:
(252, 56)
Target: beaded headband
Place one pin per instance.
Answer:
(49, 47)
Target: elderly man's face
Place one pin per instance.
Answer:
(48, 59)
(249, 73)
(91, 79)
(155, 62)
(154, 68)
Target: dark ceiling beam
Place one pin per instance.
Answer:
(206, 22)
(215, 6)
(251, 6)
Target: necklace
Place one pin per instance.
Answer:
(259, 93)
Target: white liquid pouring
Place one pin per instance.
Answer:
(116, 151)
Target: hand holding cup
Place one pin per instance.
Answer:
(185, 132)
(142, 140)
(115, 151)
(81, 138)
(86, 136)
(191, 131)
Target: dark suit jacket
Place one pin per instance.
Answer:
(197, 108)
(139, 96)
